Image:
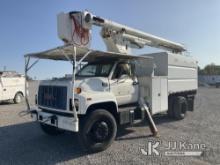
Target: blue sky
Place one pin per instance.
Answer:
(30, 26)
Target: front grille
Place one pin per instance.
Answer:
(52, 97)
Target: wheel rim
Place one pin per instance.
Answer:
(100, 132)
(18, 99)
(183, 110)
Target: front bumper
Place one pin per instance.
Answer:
(59, 121)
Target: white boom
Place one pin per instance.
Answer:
(117, 37)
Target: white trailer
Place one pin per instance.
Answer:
(114, 87)
(11, 86)
(213, 80)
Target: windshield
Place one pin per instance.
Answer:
(95, 70)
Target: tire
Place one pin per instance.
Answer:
(190, 101)
(18, 98)
(170, 108)
(97, 130)
(51, 130)
(180, 107)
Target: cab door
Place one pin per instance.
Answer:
(123, 84)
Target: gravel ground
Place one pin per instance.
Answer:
(22, 142)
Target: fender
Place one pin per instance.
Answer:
(87, 99)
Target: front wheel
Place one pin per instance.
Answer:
(18, 98)
(98, 130)
(170, 112)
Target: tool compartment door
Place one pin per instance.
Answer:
(156, 99)
(164, 94)
(159, 95)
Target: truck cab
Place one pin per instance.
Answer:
(97, 83)
(115, 77)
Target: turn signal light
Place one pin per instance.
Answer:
(36, 99)
(78, 90)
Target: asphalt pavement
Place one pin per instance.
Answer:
(23, 143)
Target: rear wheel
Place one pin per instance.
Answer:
(190, 101)
(170, 107)
(51, 130)
(98, 130)
(18, 98)
(180, 107)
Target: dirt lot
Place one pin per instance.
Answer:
(22, 142)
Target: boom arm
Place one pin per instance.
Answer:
(121, 38)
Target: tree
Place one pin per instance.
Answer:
(210, 69)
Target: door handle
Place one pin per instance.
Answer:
(104, 84)
(135, 83)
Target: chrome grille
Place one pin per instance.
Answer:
(52, 97)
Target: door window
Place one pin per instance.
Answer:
(122, 69)
(95, 70)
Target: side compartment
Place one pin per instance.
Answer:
(158, 95)
(181, 71)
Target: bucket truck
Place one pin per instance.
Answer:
(113, 87)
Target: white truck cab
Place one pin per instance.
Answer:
(97, 82)
(11, 86)
(115, 77)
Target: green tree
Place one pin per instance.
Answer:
(210, 69)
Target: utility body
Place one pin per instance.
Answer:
(113, 87)
(12, 86)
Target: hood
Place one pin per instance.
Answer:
(98, 84)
